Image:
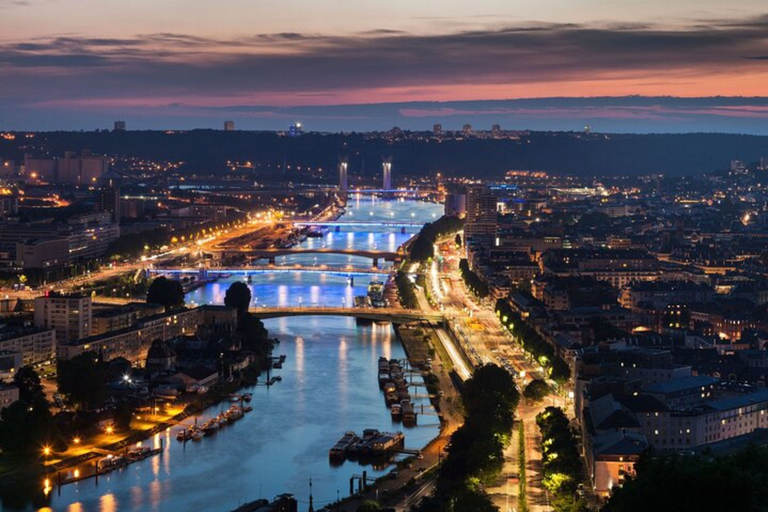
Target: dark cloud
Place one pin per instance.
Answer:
(523, 53)
(188, 69)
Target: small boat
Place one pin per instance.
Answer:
(197, 435)
(222, 420)
(182, 435)
(278, 378)
(247, 408)
(234, 398)
(210, 427)
(247, 397)
(396, 412)
(277, 365)
(339, 450)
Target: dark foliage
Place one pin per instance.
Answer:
(696, 483)
(166, 292)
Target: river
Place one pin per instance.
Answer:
(329, 386)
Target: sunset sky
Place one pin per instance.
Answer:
(81, 64)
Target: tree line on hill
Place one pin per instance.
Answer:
(554, 152)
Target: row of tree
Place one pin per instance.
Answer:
(561, 464)
(475, 284)
(423, 247)
(533, 342)
(475, 456)
(405, 289)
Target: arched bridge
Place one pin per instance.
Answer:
(273, 253)
(396, 315)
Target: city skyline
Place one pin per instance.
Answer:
(344, 66)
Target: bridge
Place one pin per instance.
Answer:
(338, 224)
(396, 315)
(205, 273)
(273, 253)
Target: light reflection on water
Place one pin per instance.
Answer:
(329, 386)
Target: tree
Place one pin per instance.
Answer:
(536, 391)
(26, 423)
(238, 296)
(167, 292)
(30, 387)
(83, 380)
(368, 506)
(682, 483)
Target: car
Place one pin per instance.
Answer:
(420, 456)
(393, 474)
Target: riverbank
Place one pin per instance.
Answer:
(414, 477)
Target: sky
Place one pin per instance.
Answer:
(339, 65)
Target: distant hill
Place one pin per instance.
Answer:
(554, 152)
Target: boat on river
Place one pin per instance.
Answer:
(339, 450)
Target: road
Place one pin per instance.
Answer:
(489, 342)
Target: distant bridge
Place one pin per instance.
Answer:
(273, 253)
(396, 315)
(360, 224)
(205, 273)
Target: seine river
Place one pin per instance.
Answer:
(329, 386)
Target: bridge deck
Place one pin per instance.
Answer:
(391, 314)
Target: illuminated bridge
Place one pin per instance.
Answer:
(273, 253)
(206, 273)
(396, 315)
(338, 224)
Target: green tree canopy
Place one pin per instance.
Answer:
(167, 292)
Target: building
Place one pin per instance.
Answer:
(42, 253)
(133, 343)
(455, 204)
(108, 200)
(35, 345)
(659, 294)
(70, 169)
(10, 362)
(437, 129)
(229, 126)
(708, 422)
(496, 131)
(69, 315)
(386, 167)
(481, 212)
(467, 129)
(91, 234)
(122, 317)
(9, 202)
(119, 126)
(611, 458)
(8, 395)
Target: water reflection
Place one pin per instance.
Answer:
(329, 386)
